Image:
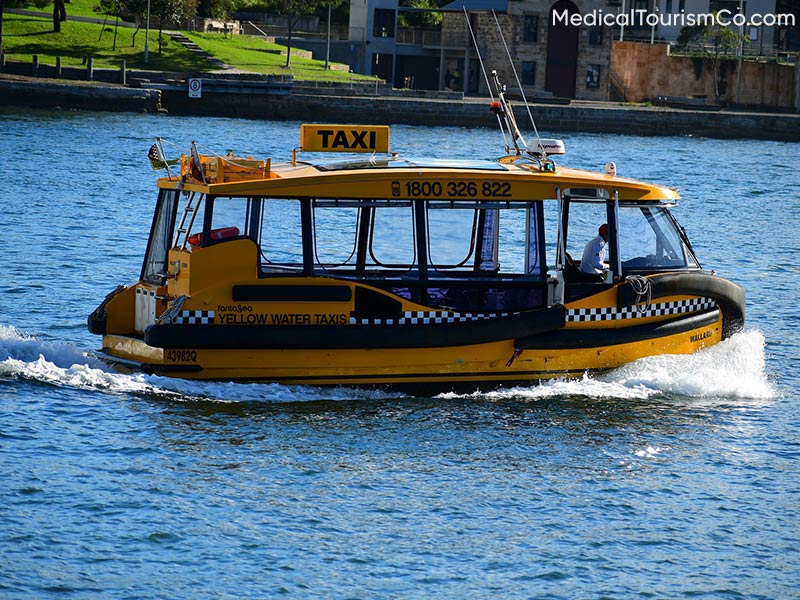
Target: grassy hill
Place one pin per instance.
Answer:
(25, 36)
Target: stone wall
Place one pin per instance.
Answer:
(84, 96)
(645, 71)
(552, 120)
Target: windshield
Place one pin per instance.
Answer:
(649, 237)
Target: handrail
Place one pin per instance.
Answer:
(258, 29)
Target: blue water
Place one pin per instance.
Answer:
(672, 477)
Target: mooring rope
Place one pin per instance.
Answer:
(643, 288)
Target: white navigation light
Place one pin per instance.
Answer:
(611, 169)
(548, 147)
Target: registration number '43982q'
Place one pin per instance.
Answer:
(452, 189)
(181, 355)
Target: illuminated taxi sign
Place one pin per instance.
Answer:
(344, 138)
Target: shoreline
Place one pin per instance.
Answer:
(578, 116)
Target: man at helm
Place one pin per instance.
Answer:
(594, 254)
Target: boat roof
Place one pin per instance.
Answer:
(354, 162)
(374, 176)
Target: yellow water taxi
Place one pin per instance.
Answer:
(377, 269)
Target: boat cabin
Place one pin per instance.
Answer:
(465, 237)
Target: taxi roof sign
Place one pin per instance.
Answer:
(344, 138)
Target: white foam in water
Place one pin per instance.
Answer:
(587, 386)
(262, 392)
(62, 363)
(734, 368)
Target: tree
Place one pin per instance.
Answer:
(110, 8)
(169, 12)
(138, 10)
(426, 16)
(293, 10)
(713, 40)
(59, 14)
(217, 9)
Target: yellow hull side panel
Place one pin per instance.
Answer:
(489, 362)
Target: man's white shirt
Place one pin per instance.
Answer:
(594, 255)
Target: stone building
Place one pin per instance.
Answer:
(553, 55)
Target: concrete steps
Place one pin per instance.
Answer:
(195, 49)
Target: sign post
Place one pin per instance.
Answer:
(195, 88)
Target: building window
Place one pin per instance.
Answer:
(528, 73)
(730, 5)
(383, 23)
(596, 35)
(530, 27)
(593, 76)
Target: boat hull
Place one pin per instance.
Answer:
(545, 355)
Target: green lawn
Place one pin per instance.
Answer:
(75, 8)
(24, 36)
(254, 54)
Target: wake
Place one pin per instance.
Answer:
(736, 368)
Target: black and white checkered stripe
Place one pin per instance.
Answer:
(578, 315)
(429, 318)
(195, 317)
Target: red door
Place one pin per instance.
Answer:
(562, 51)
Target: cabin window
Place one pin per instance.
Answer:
(155, 262)
(392, 241)
(503, 241)
(534, 227)
(335, 236)
(229, 218)
(511, 241)
(649, 238)
(451, 238)
(281, 236)
(585, 219)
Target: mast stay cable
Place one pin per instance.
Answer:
(519, 85)
(485, 76)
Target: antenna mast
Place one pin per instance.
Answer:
(503, 109)
(505, 114)
(519, 85)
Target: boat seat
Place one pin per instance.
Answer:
(573, 273)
